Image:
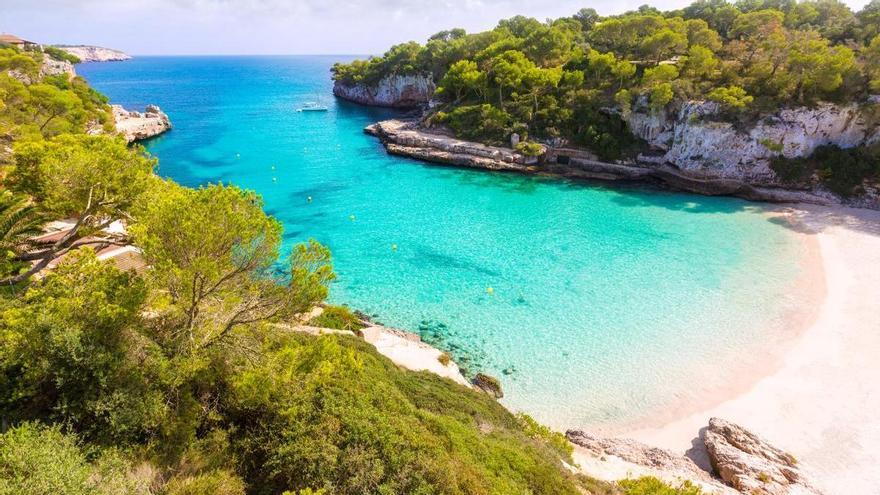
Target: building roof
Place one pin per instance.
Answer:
(14, 40)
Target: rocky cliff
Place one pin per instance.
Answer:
(406, 138)
(696, 139)
(136, 126)
(95, 53)
(393, 91)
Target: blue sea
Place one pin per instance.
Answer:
(595, 305)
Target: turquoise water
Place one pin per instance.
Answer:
(606, 304)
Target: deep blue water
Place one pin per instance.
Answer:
(605, 304)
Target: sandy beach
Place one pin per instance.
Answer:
(821, 401)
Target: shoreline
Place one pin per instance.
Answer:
(818, 403)
(779, 337)
(404, 138)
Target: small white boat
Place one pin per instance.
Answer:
(312, 106)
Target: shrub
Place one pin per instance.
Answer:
(841, 170)
(648, 485)
(529, 148)
(338, 317)
(61, 54)
(38, 460)
(479, 122)
(444, 359)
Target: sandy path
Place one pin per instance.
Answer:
(823, 403)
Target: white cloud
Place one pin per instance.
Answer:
(271, 26)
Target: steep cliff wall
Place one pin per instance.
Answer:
(696, 139)
(393, 91)
(95, 53)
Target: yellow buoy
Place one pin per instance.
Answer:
(490, 290)
(309, 199)
(394, 247)
(351, 217)
(274, 179)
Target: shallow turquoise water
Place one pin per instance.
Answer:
(607, 304)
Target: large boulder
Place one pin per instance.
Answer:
(395, 91)
(750, 464)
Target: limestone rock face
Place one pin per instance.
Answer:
(136, 126)
(52, 67)
(696, 142)
(95, 53)
(395, 91)
(750, 464)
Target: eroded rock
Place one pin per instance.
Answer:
(137, 126)
(395, 91)
(750, 464)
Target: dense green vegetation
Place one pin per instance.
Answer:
(574, 77)
(186, 378)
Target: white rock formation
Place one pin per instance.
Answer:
(393, 91)
(750, 464)
(94, 53)
(136, 126)
(52, 67)
(695, 141)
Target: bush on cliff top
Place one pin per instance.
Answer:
(749, 56)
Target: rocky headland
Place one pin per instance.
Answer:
(408, 138)
(393, 91)
(88, 53)
(137, 126)
(692, 147)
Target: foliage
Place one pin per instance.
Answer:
(842, 170)
(35, 460)
(338, 317)
(649, 485)
(61, 54)
(553, 438)
(529, 75)
(19, 222)
(529, 148)
(732, 98)
(337, 415)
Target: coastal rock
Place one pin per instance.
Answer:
(697, 140)
(136, 126)
(661, 463)
(52, 67)
(488, 384)
(395, 91)
(407, 139)
(94, 53)
(750, 464)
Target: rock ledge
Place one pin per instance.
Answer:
(137, 126)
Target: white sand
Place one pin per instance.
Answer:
(407, 350)
(822, 403)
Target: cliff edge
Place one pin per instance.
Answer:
(393, 91)
(88, 53)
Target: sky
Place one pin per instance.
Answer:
(202, 27)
